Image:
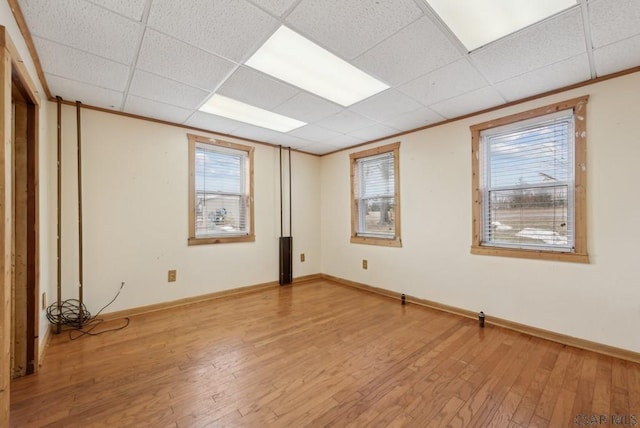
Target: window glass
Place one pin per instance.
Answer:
(220, 191)
(375, 192)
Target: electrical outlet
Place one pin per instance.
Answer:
(172, 275)
(44, 300)
(302, 257)
(365, 265)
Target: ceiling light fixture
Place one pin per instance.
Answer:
(478, 22)
(288, 56)
(236, 110)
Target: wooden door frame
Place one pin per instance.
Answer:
(25, 229)
(13, 72)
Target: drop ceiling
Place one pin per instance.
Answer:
(164, 58)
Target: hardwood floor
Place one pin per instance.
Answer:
(320, 354)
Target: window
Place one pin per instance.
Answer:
(529, 178)
(220, 192)
(375, 196)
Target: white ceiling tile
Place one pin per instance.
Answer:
(342, 141)
(74, 64)
(350, 27)
(83, 26)
(617, 56)
(384, 106)
(286, 140)
(192, 48)
(277, 7)
(230, 28)
(413, 51)
(130, 8)
(545, 79)
(373, 132)
(319, 148)
(156, 110)
(613, 20)
(153, 87)
(213, 123)
(346, 121)
(257, 133)
(415, 119)
(469, 103)
(314, 133)
(72, 90)
(307, 107)
(446, 82)
(256, 89)
(166, 56)
(545, 43)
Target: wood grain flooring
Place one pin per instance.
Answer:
(320, 354)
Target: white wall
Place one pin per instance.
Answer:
(135, 215)
(46, 165)
(597, 301)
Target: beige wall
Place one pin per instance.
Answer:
(135, 212)
(599, 301)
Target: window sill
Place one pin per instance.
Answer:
(221, 240)
(385, 242)
(531, 254)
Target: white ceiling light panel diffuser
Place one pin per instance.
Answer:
(478, 22)
(294, 59)
(236, 110)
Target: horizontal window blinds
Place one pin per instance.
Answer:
(376, 195)
(528, 181)
(221, 191)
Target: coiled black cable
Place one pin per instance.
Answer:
(70, 314)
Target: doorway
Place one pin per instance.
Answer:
(24, 236)
(19, 230)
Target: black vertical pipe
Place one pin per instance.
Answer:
(289, 274)
(281, 215)
(290, 199)
(59, 243)
(80, 239)
(285, 253)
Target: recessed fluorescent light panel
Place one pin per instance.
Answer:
(478, 22)
(236, 110)
(290, 57)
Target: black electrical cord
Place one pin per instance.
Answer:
(71, 313)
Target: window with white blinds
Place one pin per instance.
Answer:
(220, 192)
(375, 195)
(529, 184)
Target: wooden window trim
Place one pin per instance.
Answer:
(353, 157)
(251, 237)
(580, 255)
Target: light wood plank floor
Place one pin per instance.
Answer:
(319, 354)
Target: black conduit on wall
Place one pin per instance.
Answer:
(58, 314)
(286, 242)
(59, 243)
(80, 238)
